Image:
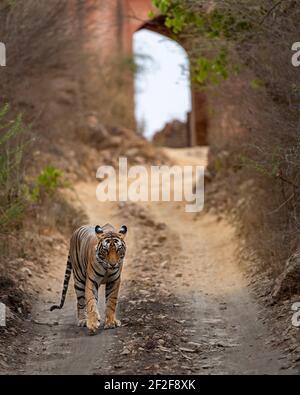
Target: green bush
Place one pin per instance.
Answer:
(217, 28)
(205, 70)
(13, 143)
(15, 192)
(47, 182)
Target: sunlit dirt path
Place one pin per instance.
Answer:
(221, 333)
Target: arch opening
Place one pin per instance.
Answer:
(135, 20)
(163, 99)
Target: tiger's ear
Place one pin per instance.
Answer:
(98, 230)
(123, 230)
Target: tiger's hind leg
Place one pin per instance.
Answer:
(81, 308)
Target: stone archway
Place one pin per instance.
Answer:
(110, 27)
(136, 18)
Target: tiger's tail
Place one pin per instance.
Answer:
(65, 287)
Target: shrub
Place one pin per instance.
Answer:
(14, 141)
(47, 182)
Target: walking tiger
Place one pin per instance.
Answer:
(96, 257)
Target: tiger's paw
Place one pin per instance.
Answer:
(93, 323)
(81, 323)
(111, 324)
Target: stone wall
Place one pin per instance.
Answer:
(80, 49)
(173, 135)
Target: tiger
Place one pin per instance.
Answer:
(96, 257)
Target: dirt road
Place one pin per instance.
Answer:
(185, 306)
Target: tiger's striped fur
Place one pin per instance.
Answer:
(96, 257)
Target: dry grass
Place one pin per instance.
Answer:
(49, 57)
(255, 142)
(254, 116)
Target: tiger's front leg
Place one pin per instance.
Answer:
(111, 295)
(91, 297)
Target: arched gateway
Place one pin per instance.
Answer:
(112, 25)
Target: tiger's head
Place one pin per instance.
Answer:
(111, 247)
